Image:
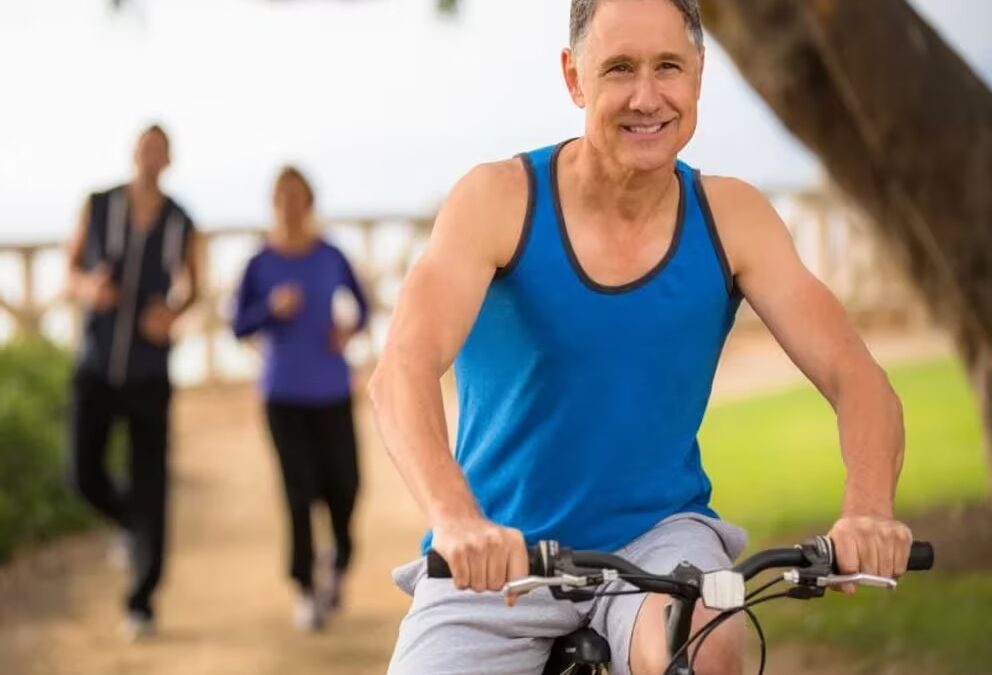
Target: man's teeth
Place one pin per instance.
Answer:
(645, 129)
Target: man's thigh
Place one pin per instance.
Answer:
(452, 632)
(635, 625)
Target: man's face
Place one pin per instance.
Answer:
(151, 155)
(637, 73)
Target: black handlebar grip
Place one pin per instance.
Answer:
(920, 556)
(437, 567)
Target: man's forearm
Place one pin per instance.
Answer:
(77, 278)
(410, 414)
(872, 440)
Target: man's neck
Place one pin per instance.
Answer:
(144, 191)
(626, 198)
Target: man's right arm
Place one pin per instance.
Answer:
(74, 252)
(476, 232)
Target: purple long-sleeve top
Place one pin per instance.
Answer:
(300, 364)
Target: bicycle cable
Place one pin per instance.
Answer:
(629, 579)
(610, 594)
(709, 628)
(761, 640)
(757, 627)
(762, 589)
(716, 621)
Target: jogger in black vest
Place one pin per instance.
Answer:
(133, 268)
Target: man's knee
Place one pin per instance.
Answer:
(720, 653)
(713, 662)
(648, 648)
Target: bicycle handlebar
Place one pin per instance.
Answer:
(437, 567)
(567, 573)
(921, 558)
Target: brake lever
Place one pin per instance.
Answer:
(514, 589)
(830, 580)
(858, 580)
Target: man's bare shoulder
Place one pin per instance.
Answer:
(733, 197)
(749, 227)
(739, 208)
(488, 205)
(495, 188)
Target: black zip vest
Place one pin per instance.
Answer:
(143, 265)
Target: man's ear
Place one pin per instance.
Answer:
(702, 67)
(570, 71)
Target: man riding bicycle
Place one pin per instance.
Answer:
(584, 293)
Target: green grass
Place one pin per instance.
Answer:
(35, 503)
(775, 460)
(776, 469)
(936, 623)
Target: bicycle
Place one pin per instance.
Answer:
(570, 575)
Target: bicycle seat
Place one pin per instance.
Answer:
(584, 647)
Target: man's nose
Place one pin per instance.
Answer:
(646, 97)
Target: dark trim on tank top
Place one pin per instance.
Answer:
(502, 272)
(721, 254)
(574, 259)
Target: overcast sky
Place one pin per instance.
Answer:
(384, 103)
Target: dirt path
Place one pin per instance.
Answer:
(226, 606)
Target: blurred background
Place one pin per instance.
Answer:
(868, 124)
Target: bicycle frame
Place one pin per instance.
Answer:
(679, 618)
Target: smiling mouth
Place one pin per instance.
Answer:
(645, 129)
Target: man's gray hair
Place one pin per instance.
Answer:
(584, 10)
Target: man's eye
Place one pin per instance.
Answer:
(619, 68)
(668, 65)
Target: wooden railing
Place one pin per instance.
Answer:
(831, 237)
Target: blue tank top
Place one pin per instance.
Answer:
(579, 404)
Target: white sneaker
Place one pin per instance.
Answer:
(138, 627)
(307, 615)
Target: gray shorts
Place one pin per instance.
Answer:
(452, 632)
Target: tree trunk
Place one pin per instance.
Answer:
(902, 125)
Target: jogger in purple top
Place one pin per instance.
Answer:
(286, 296)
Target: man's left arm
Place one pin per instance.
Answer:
(812, 327)
(190, 286)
